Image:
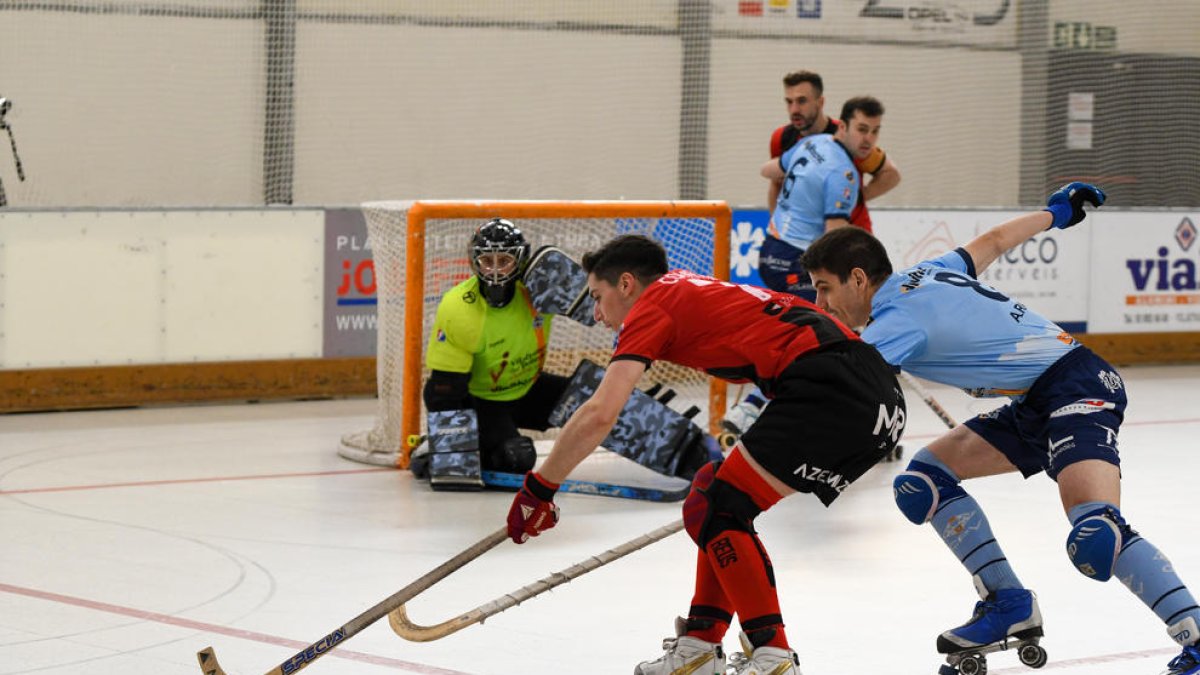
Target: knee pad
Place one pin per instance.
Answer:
(695, 506)
(718, 508)
(516, 455)
(922, 488)
(1095, 542)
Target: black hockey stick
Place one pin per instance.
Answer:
(513, 481)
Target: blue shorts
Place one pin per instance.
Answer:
(1072, 413)
(779, 267)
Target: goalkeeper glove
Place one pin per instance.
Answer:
(1066, 204)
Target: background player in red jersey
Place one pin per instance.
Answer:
(804, 93)
(836, 410)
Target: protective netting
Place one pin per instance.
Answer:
(690, 242)
(334, 102)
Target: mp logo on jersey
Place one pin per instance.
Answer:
(892, 422)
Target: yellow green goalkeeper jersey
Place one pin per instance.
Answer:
(503, 348)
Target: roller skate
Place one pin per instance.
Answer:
(737, 420)
(763, 660)
(685, 655)
(1188, 662)
(1006, 619)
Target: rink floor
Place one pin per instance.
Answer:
(133, 538)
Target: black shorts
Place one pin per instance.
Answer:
(501, 420)
(835, 413)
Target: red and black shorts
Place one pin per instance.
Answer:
(835, 413)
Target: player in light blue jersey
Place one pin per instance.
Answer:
(937, 320)
(820, 187)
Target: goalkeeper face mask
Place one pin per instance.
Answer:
(498, 255)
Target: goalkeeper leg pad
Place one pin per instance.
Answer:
(647, 431)
(558, 285)
(454, 450)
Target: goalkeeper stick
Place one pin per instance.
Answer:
(929, 399)
(412, 632)
(208, 659)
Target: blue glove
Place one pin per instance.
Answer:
(1066, 204)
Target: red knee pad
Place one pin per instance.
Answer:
(695, 507)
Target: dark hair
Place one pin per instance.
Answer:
(637, 254)
(841, 250)
(801, 76)
(869, 106)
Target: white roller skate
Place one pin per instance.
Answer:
(1186, 633)
(763, 660)
(685, 655)
(1006, 619)
(737, 420)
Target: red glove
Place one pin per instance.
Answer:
(533, 510)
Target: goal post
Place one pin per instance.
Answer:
(420, 251)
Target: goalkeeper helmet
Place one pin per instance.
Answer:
(498, 256)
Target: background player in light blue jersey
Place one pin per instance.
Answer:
(938, 321)
(819, 188)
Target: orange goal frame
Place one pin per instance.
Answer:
(424, 210)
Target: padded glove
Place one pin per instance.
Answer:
(1066, 204)
(533, 510)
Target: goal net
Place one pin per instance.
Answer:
(420, 252)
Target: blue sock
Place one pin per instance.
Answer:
(962, 525)
(1143, 569)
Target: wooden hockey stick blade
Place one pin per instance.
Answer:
(208, 661)
(413, 632)
(928, 399)
(305, 657)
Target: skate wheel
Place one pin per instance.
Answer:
(1032, 655)
(726, 440)
(972, 665)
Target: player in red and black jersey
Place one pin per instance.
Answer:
(836, 410)
(803, 91)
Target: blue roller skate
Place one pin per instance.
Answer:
(1006, 619)
(1187, 634)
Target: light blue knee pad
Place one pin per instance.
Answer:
(1096, 539)
(925, 484)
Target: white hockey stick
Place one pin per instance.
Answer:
(208, 659)
(413, 632)
(929, 399)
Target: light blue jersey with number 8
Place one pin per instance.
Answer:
(938, 322)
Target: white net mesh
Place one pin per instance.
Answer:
(690, 243)
(244, 102)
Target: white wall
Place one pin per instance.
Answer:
(136, 287)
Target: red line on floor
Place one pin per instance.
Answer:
(222, 630)
(178, 481)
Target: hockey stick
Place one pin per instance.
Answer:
(513, 481)
(208, 659)
(398, 618)
(928, 399)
